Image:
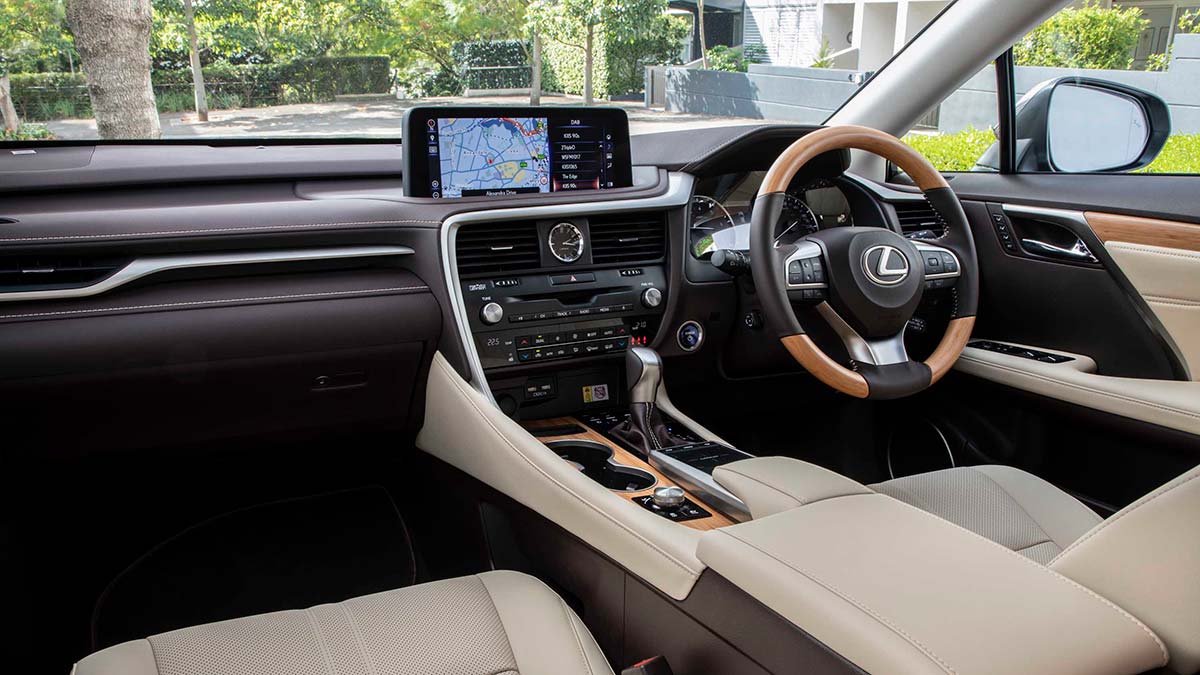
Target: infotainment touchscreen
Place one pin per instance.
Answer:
(504, 152)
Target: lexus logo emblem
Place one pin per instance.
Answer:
(885, 265)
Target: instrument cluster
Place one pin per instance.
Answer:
(721, 208)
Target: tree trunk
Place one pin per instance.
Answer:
(703, 42)
(8, 111)
(587, 66)
(197, 74)
(113, 39)
(535, 83)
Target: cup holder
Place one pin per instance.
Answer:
(595, 460)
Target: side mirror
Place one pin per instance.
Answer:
(1082, 125)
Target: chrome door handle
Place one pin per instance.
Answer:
(1077, 253)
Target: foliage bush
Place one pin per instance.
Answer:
(322, 78)
(1181, 154)
(489, 64)
(960, 151)
(50, 96)
(1088, 36)
(618, 63)
(423, 82)
(735, 60)
(27, 132)
(952, 152)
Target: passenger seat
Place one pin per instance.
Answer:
(495, 623)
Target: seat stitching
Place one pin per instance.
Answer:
(358, 641)
(1139, 248)
(454, 381)
(1100, 392)
(791, 495)
(1162, 490)
(113, 235)
(1063, 578)
(324, 647)
(197, 303)
(1035, 545)
(1019, 505)
(844, 596)
(575, 631)
(500, 618)
(1174, 302)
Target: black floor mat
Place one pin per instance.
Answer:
(284, 555)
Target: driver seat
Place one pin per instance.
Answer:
(1145, 558)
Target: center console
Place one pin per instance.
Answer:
(552, 304)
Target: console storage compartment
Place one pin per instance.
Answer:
(895, 589)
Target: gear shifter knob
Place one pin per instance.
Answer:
(643, 373)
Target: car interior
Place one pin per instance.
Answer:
(762, 398)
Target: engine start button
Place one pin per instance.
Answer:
(690, 336)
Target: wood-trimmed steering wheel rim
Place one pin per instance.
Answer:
(926, 177)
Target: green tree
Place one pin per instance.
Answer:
(578, 23)
(1088, 36)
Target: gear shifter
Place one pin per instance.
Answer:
(645, 429)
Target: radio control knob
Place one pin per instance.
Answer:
(491, 313)
(652, 297)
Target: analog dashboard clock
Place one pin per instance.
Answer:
(566, 242)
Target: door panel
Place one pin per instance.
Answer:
(1161, 258)
(1124, 416)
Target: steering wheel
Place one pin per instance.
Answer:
(870, 278)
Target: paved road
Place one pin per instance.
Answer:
(362, 118)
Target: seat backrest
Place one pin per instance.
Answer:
(1146, 558)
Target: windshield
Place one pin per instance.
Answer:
(184, 69)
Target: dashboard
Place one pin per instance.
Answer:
(719, 212)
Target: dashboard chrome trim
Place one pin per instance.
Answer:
(703, 485)
(143, 267)
(677, 195)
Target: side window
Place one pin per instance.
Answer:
(959, 133)
(1112, 88)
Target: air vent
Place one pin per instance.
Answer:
(628, 238)
(497, 247)
(45, 273)
(918, 220)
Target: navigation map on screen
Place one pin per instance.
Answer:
(492, 156)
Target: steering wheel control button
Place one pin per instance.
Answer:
(492, 313)
(690, 336)
(753, 320)
(652, 297)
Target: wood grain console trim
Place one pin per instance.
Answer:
(623, 456)
(1146, 231)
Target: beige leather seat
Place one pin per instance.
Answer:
(1145, 558)
(496, 623)
(1009, 506)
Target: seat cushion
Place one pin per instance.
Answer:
(1009, 506)
(496, 623)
